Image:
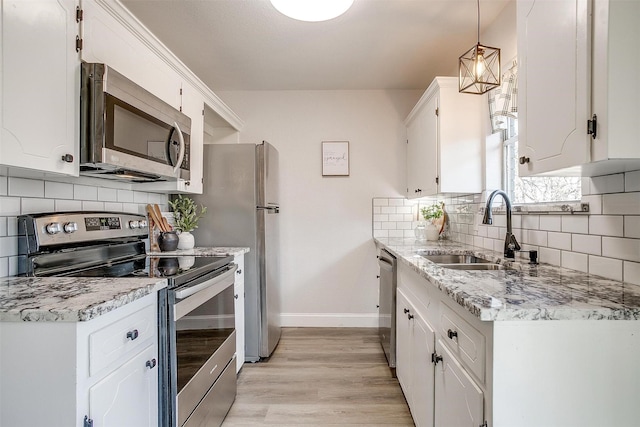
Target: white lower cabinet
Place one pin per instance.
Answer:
(414, 340)
(238, 294)
(458, 399)
(524, 373)
(59, 373)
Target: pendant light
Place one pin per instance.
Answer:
(479, 67)
(312, 10)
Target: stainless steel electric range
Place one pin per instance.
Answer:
(196, 325)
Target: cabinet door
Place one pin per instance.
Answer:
(459, 401)
(422, 373)
(112, 36)
(238, 288)
(129, 395)
(422, 150)
(403, 343)
(193, 106)
(553, 84)
(40, 87)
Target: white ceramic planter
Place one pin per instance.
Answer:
(186, 240)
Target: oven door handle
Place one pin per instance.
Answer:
(193, 296)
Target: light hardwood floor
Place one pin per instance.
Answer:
(320, 377)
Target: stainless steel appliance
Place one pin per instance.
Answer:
(127, 133)
(196, 325)
(241, 191)
(387, 306)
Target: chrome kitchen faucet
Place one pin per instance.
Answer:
(510, 243)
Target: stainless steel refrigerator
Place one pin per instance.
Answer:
(241, 192)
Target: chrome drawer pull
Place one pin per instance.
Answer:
(452, 334)
(151, 363)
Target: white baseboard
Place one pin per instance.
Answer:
(329, 320)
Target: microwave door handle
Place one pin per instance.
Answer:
(176, 168)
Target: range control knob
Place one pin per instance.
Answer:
(134, 224)
(143, 224)
(53, 228)
(70, 227)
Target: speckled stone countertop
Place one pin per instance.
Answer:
(214, 251)
(69, 299)
(529, 292)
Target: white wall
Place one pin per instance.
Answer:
(328, 258)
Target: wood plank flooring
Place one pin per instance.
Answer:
(321, 377)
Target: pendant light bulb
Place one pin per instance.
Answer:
(312, 10)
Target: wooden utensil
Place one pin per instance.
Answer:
(156, 220)
(163, 221)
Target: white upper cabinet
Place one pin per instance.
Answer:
(40, 87)
(444, 151)
(575, 61)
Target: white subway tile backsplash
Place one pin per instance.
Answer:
(575, 224)
(30, 205)
(12, 226)
(531, 222)
(396, 217)
(595, 204)
(549, 256)
(9, 206)
(388, 209)
(632, 226)
(107, 194)
(605, 267)
(403, 209)
(68, 205)
(621, 204)
(631, 272)
(493, 232)
(58, 190)
(92, 206)
(8, 246)
(381, 217)
(380, 233)
(377, 225)
(23, 187)
(551, 222)
(3, 187)
(587, 244)
(606, 225)
(396, 202)
(388, 225)
(607, 184)
(113, 207)
(376, 209)
(85, 192)
(585, 184)
(537, 238)
(632, 181)
(3, 227)
(396, 233)
(574, 261)
(140, 197)
(621, 248)
(559, 240)
(4, 267)
(125, 196)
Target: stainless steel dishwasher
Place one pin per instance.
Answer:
(387, 307)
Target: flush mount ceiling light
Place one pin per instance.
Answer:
(312, 10)
(479, 67)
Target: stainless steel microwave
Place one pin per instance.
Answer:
(127, 133)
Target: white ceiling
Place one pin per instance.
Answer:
(377, 44)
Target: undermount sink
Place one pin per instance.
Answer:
(455, 259)
(464, 262)
(476, 266)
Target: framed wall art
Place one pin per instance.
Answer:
(335, 158)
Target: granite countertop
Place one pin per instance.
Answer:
(73, 299)
(69, 299)
(213, 251)
(529, 292)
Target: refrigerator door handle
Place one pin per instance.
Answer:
(271, 209)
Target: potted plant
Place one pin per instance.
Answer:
(434, 216)
(186, 216)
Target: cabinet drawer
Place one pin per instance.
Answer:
(466, 342)
(126, 335)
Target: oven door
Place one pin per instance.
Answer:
(203, 338)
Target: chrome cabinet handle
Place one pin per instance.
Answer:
(435, 358)
(452, 334)
(406, 310)
(238, 271)
(132, 335)
(151, 363)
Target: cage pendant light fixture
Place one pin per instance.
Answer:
(479, 67)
